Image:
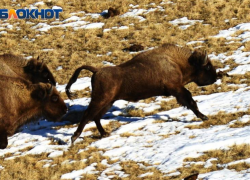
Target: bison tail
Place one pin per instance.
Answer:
(75, 76)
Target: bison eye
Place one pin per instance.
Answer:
(54, 98)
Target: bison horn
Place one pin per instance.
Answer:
(50, 90)
(41, 67)
(205, 59)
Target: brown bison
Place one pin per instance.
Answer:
(111, 13)
(161, 71)
(192, 177)
(134, 48)
(31, 70)
(22, 101)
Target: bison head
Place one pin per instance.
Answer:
(204, 73)
(52, 105)
(39, 72)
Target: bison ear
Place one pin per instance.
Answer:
(31, 65)
(198, 59)
(39, 93)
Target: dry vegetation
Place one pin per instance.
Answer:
(70, 48)
(220, 159)
(222, 118)
(77, 157)
(165, 106)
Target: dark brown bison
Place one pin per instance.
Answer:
(192, 177)
(161, 71)
(22, 101)
(111, 13)
(134, 48)
(31, 70)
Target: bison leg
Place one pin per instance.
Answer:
(3, 139)
(184, 97)
(98, 117)
(92, 112)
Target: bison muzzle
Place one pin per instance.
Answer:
(161, 71)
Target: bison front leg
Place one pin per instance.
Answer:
(184, 97)
(3, 139)
(87, 116)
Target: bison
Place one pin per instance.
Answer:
(134, 48)
(32, 70)
(111, 13)
(21, 101)
(192, 177)
(162, 71)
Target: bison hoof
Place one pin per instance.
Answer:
(3, 145)
(105, 134)
(204, 118)
(73, 138)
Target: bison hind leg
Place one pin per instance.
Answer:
(94, 112)
(99, 116)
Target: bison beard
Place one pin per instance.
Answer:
(162, 71)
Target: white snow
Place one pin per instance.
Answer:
(81, 83)
(55, 154)
(146, 174)
(226, 174)
(184, 22)
(78, 173)
(240, 70)
(231, 31)
(77, 24)
(93, 25)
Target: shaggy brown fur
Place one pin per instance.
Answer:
(111, 13)
(161, 71)
(21, 101)
(192, 177)
(135, 48)
(32, 70)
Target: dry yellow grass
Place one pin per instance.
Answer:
(135, 169)
(221, 118)
(218, 158)
(128, 134)
(71, 48)
(32, 166)
(165, 106)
